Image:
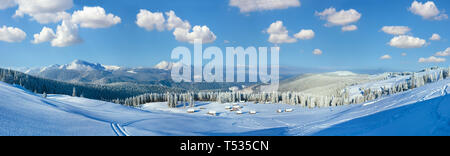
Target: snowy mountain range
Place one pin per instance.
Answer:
(87, 72)
(164, 65)
(421, 111)
(76, 65)
(83, 71)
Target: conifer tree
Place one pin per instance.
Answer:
(74, 92)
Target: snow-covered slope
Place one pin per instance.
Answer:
(422, 111)
(22, 113)
(326, 84)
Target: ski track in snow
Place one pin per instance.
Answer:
(105, 118)
(119, 130)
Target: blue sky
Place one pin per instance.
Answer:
(127, 44)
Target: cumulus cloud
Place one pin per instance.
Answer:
(446, 52)
(183, 33)
(12, 34)
(385, 57)
(198, 33)
(350, 28)
(279, 34)
(396, 30)
(45, 18)
(46, 35)
(53, 11)
(435, 37)
(261, 5)
(404, 54)
(181, 29)
(342, 17)
(150, 21)
(432, 59)
(44, 11)
(317, 52)
(66, 35)
(94, 17)
(405, 41)
(305, 34)
(7, 4)
(427, 10)
(173, 21)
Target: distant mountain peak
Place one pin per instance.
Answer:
(77, 61)
(112, 68)
(82, 62)
(55, 66)
(164, 65)
(81, 65)
(87, 72)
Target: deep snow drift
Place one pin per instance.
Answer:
(422, 111)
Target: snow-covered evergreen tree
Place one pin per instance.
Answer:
(74, 92)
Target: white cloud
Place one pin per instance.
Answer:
(67, 32)
(94, 17)
(279, 34)
(183, 33)
(12, 34)
(432, 59)
(305, 34)
(342, 18)
(66, 35)
(405, 41)
(350, 28)
(7, 4)
(404, 54)
(46, 35)
(44, 11)
(260, 5)
(427, 10)
(173, 21)
(317, 52)
(435, 37)
(396, 30)
(385, 57)
(182, 29)
(446, 52)
(150, 21)
(45, 18)
(198, 33)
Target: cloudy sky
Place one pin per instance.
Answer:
(330, 34)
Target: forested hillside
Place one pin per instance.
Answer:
(107, 92)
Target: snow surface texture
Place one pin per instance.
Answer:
(326, 84)
(422, 111)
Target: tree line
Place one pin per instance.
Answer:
(107, 92)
